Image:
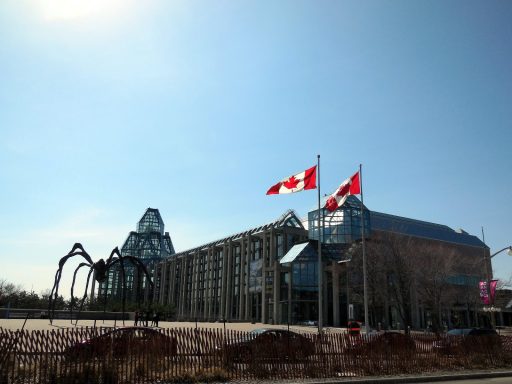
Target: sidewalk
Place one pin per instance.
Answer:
(44, 324)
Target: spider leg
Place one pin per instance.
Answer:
(55, 289)
(73, 287)
(115, 251)
(50, 301)
(85, 295)
(123, 280)
(138, 287)
(140, 266)
(105, 299)
(54, 294)
(81, 252)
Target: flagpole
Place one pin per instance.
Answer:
(365, 291)
(320, 306)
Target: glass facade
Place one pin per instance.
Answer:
(304, 291)
(151, 222)
(343, 226)
(233, 278)
(150, 244)
(270, 273)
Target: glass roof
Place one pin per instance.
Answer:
(151, 221)
(424, 229)
(287, 219)
(149, 241)
(295, 251)
(309, 251)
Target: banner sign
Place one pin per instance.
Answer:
(492, 290)
(488, 291)
(484, 293)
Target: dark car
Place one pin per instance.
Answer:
(387, 342)
(121, 342)
(269, 344)
(457, 341)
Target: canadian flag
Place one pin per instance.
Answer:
(350, 186)
(295, 183)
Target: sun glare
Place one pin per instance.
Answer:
(76, 9)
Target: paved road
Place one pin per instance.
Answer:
(493, 380)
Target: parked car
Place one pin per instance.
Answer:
(268, 344)
(459, 340)
(124, 341)
(387, 342)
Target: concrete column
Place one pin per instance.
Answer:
(335, 294)
(290, 284)
(229, 280)
(223, 291)
(170, 264)
(276, 318)
(162, 282)
(183, 286)
(248, 302)
(243, 262)
(172, 279)
(264, 255)
(207, 283)
(211, 274)
(277, 293)
(177, 287)
(157, 274)
(195, 285)
(163, 277)
(204, 269)
(215, 285)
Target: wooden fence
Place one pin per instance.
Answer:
(137, 355)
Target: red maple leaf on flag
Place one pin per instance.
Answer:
(291, 183)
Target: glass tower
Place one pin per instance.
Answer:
(150, 244)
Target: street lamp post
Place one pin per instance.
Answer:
(488, 260)
(508, 249)
(488, 273)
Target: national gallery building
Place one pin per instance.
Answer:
(269, 273)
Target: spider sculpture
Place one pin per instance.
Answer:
(100, 270)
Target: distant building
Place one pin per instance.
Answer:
(503, 307)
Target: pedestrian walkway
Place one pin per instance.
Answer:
(44, 324)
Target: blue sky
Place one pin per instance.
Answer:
(197, 107)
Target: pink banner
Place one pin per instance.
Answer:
(484, 293)
(492, 290)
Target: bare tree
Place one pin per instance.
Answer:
(376, 285)
(434, 269)
(390, 276)
(396, 251)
